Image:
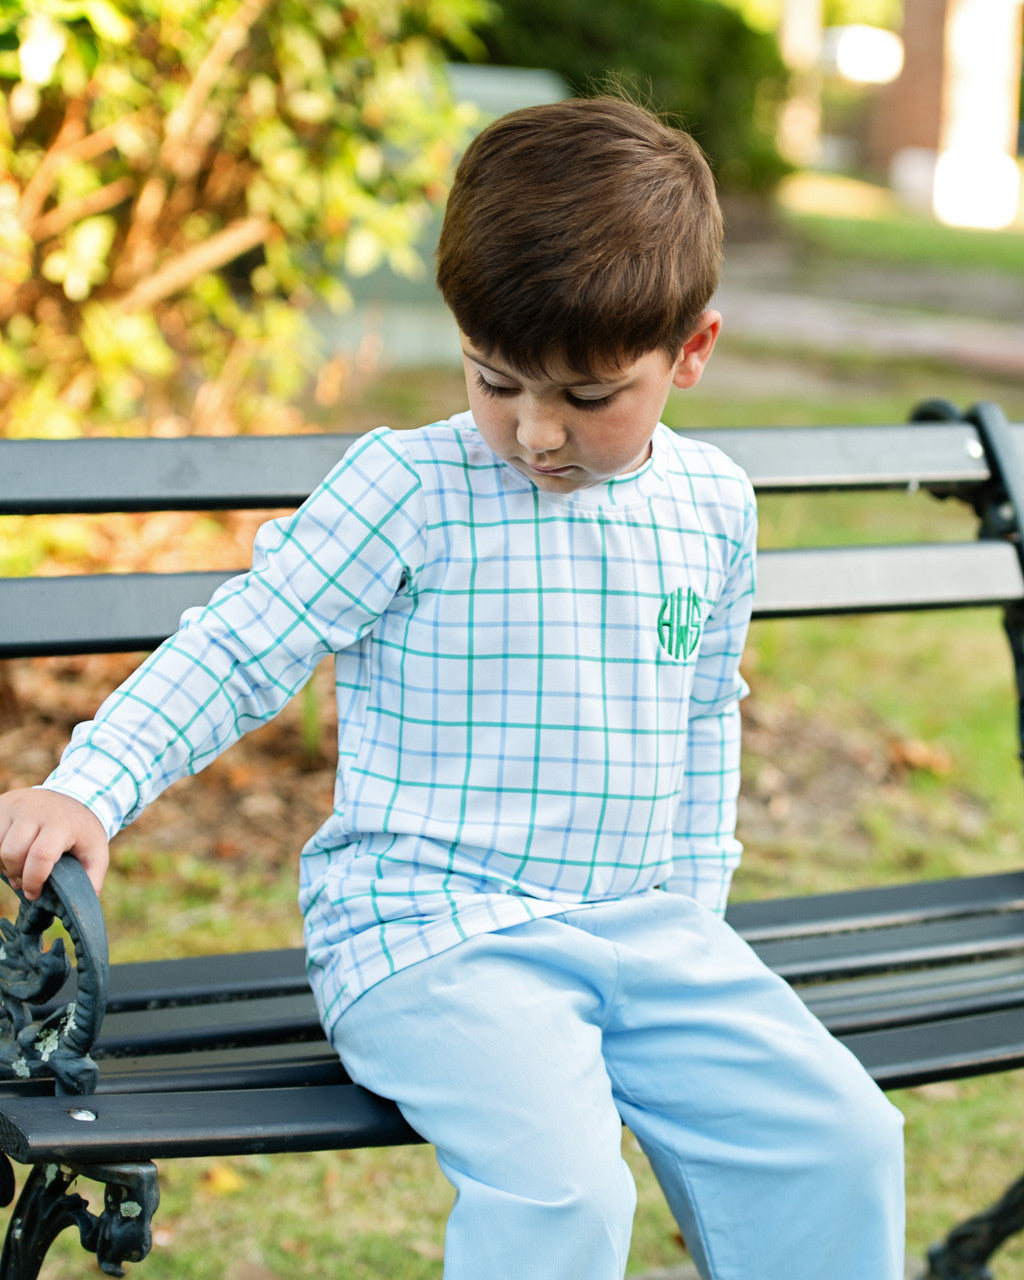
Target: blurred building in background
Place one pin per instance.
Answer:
(946, 130)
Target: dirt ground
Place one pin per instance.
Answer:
(257, 804)
(252, 805)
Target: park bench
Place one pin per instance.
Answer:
(223, 1055)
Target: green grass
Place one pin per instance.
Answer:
(844, 220)
(911, 241)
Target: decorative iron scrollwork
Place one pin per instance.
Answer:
(35, 1038)
(968, 1247)
(47, 1205)
(47, 1028)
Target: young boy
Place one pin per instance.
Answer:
(537, 609)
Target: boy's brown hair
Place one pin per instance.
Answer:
(583, 229)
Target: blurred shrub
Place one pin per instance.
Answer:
(146, 146)
(696, 59)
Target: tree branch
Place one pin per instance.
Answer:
(93, 145)
(60, 218)
(183, 120)
(235, 239)
(38, 187)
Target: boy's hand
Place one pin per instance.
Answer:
(36, 827)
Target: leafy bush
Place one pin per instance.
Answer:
(696, 59)
(147, 146)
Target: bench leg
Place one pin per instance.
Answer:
(47, 1206)
(968, 1247)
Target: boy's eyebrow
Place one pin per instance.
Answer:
(504, 373)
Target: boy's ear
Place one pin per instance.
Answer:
(696, 351)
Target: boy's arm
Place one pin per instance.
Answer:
(319, 580)
(705, 849)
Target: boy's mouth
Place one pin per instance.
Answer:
(548, 471)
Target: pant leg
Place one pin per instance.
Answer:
(779, 1156)
(492, 1054)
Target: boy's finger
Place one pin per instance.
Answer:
(40, 859)
(95, 858)
(15, 843)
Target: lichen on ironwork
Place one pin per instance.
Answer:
(39, 1035)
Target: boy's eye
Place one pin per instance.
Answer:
(597, 402)
(493, 389)
(577, 402)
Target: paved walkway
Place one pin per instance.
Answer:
(779, 316)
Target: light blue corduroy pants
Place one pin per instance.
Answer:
(519, 1054)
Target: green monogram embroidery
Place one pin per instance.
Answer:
(679, 622)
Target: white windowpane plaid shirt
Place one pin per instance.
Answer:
(537, 693)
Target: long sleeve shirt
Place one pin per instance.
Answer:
(537, 693)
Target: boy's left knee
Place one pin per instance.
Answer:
(864, 1133)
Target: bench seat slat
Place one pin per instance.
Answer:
(240, 975)
(815, 959)
(185, 1029)
(947, 1049)
(248, 1066)
(163, 1125)
(811, 962)
(903, 999)
(154, 1126)
(881, 906)
(169, 1046)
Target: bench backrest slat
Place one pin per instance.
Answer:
(821, 581)
(215, 473)
(200, 473)
(125, 613)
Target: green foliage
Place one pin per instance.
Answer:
(697, 59)
(181, 179)
(767, 14)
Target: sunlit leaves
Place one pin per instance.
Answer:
(182, 180)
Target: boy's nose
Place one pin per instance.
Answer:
(539, 431)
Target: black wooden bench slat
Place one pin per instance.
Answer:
(170, 1123)
(124, 613)
(817, 459)
(200, 473)
(868, 1004)
(290, 1015)
(818, 959)
(172, 1047)
(947, 1049)
(241, 975)
(219, 473)
(880, 906)
(250, 1066)
(154, 1126)
(245, 1067)
(194, 1027)
(816, 581)
(97, 613)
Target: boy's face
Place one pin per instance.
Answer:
(564, 433)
